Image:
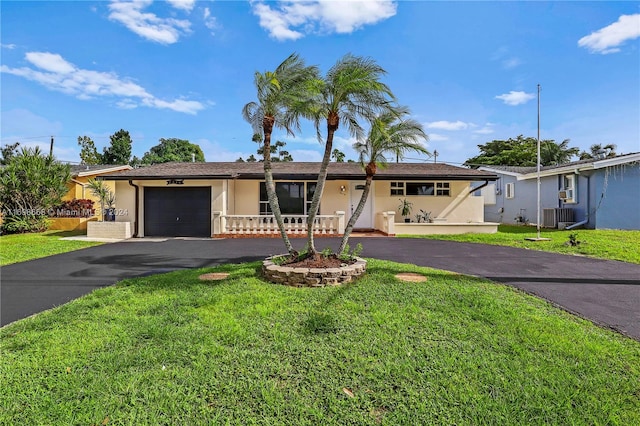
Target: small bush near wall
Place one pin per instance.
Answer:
(20, 224)
(74, 208)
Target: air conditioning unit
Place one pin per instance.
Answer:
(566, 194)
(551, 218)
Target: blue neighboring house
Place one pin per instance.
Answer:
(601, 193)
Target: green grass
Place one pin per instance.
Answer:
(22, 247)
(603, 244)
(170, 349)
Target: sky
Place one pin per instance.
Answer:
(468, 71)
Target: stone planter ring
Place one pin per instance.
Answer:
(312, 277)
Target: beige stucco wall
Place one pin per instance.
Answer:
(333, 199)
(241, 197)
(125, 201)
(467, 208)
(246, 197)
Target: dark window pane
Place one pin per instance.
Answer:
(413, 188)
(263, 192)
(290, 197)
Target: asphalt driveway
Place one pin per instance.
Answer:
(606, 292)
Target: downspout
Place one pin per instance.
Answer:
(586, 219)
(135, 223)
(486, 182)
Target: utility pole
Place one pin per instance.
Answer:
(538, 165)
(435, 156)
(538, 238)
(51, 148)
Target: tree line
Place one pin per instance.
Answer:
(120, 147)
(523, 151)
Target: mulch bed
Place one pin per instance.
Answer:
(317, 261)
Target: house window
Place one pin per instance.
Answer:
(439, 189)
(293, 197)
(442, 189)
(509, 190)
(568, 191)
(397, 188)
(420, 188)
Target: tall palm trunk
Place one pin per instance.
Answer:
(333, 121)
(371, 167)
(267, 125)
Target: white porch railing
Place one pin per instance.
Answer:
(257, 225)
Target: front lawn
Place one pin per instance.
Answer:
(22, 247)
(171, 349)
(603, 244)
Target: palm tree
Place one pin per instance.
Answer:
(390, 135)
(280, 104)
(552, 153)
(596, 150)
(352, 90)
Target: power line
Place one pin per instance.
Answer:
(29, 138)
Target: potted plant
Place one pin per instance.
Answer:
(426, 216)
(106, 197)
(110, 212)
(405, 209)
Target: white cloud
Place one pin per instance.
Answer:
(305, 155)
(291, 20)
(148, 25)
(511, 63)
(186, 5)
(486, 130)
(50, 62)
(275, 22)
(447, 125)
(210, 21)
(435, 137)
(516, 98)
(55, 73)
(8, 46)
(342, 143)
(607, 39)
(506, 60)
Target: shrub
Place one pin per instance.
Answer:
(74, 208)
(20, 224)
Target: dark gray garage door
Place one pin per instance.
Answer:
(177, 212)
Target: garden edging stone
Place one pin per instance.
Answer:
(312, 277)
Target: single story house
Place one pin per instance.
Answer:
(601, 193)
(229, 199)
(77, 189)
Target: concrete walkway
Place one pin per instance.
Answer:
(606, 292)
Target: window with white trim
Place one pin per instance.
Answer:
(509, 190)
(439, 189)
(443, 189)
(568, 191)
(397, 188)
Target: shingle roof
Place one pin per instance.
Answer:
(84, 170)
(300, 170)
(577, 164)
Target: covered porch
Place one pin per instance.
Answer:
(251, 226)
